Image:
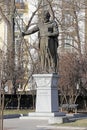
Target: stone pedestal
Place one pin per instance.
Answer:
(47, 93)
(46, 96)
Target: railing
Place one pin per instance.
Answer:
(1, 110)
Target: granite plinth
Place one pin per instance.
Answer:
(45, 116)
(47, 104)
(58, 120)
(47, 93)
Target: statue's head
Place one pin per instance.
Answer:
(46, 16)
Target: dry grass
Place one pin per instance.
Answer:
(15, 111)
(77, 123)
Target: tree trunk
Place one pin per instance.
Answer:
(19, 98)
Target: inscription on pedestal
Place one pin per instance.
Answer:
(43, 93)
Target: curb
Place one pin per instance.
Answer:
(11, 116)
(62, 127)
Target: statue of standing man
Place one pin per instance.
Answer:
(48, 43)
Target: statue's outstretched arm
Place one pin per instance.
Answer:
(31, 31)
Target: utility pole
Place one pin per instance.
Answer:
(13, 42)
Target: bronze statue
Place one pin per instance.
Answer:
(48, 43)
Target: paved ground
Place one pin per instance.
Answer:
(23, 124)
(26, 124)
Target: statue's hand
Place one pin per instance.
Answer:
(22, 34)
(54, 34)
(49, 34)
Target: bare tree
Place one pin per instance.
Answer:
(69, 75)
(7, 16)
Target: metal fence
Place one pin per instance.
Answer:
(1, 118)
(1, 111)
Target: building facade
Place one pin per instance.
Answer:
(16, 14)
(73, 26)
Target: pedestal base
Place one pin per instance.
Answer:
(43, 116)
(34, 114)
(58, 120)
(47, 105)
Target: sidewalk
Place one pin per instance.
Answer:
(28, 124)
(21, 124)
(61, 128)
(12, 122)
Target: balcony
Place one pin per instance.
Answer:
(22, 6)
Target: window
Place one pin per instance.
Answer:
(19, 1)
(18, 23)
